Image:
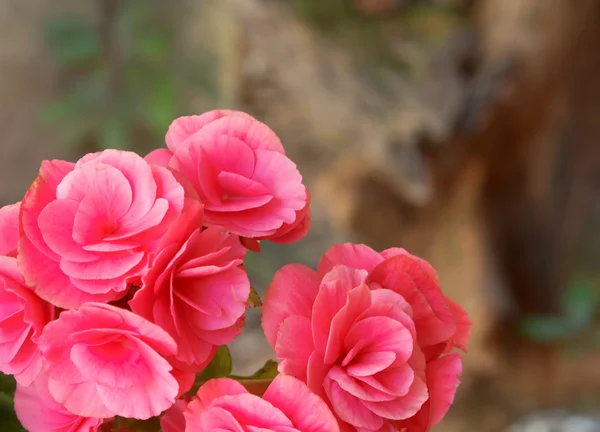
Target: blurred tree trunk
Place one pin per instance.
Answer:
(542, 147)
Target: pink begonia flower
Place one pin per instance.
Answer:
(173, 420)
(9, 229)
(39, 412)
(23, 316)
(368, 333)
(195, 288)
(288, 233)
(287, 406)
(239, 169)
(87, 228)
(104, 361)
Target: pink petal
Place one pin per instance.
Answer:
(370, 363)
(442, 380)
(281, 177)
(41, 192)
(108, 267)
(256, 134)
(395, 381)
(212, 390)
(184, 127)
(294, 345)
(377, 334)
(107, 199)
(351, 409)
(154, 217)
(356, 256)
(139, 175)
(414, 281)
(39, 412)
(311, 415)
(290, 233)
(292, 292)
(359, 388)
(462, 335)
(404, 406)
(216, 301)
(173, 420)
(159, 157)
(56, 224)
(50, 283)
(228, 154)
(316, 373)
(359, 300)
(79, 399)
(332, 297)
(9, 229)
(148, 398)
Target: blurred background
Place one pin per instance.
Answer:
(464, 131)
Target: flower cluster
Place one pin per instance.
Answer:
(121, 276)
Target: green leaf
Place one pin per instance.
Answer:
(545, 328)
(581, 302)
(254, 299)
(219, 367)
(260, 380)
(8, 418)
(73, 41)
(267, 371)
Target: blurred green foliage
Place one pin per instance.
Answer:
(577, 327)
(124, 80)
(373, 38)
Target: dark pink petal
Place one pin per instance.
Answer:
(292, 292)
(356, 256)
(306, 410)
